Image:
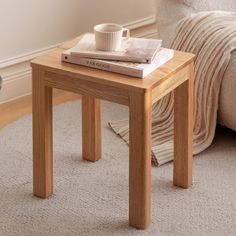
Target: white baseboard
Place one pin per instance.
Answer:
(15, 89)
(16, 71)
(140, 22)
(16, 81)
(24, 57)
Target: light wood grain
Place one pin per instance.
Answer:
(140, 160)
(87, 87)
(165, 87)
(91, 128)
(183, 132)
(42, 136)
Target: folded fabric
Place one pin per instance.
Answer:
(212, 37)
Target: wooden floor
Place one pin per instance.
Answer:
(13, 110)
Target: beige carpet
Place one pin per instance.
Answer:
(91, 198)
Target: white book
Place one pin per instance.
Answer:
(139, 70)
(132, 49)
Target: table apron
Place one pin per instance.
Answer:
(84, 87)
(171, 83)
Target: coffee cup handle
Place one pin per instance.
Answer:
(127, 32)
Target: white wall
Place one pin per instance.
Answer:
(28, 27)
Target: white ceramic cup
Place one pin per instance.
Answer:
(108, 36)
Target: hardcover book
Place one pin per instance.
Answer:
(132, 49)
(139, 70)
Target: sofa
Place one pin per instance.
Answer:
(169, 12)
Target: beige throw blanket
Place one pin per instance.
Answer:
(212, 37)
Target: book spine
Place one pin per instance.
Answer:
(103, 65)
(111, 57)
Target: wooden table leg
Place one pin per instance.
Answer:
(183, 132)
(140, 160)
(91, 128)
(42, 136)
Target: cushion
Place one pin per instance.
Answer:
(169, 12)
(210, 5)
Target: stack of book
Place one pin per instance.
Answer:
(137, 57)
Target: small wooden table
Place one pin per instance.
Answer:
(139, 94)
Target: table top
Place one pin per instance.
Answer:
(51, 61)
